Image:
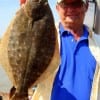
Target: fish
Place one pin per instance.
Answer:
(28, 46)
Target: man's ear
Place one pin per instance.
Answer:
(87, 5)
(57, 7)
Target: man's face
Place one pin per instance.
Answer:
(71, 14)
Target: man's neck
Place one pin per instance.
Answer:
(76, 32)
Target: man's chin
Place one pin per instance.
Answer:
(69, 25)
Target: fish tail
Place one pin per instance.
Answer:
(14, 95)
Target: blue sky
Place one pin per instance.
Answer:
(8, 9)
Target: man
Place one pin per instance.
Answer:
(75, 75)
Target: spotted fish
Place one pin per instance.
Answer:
(29, 46)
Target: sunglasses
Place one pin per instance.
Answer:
(73, 4)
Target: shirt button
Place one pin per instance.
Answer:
(72, 40)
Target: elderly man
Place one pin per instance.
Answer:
(75, 75)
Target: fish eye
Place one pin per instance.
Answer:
(44, 1)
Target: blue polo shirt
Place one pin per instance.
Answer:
(74, 78)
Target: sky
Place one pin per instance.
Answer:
(8, 9)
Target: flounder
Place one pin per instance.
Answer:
(28, 46)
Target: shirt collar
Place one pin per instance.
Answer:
(86, 32)
(63, 31)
